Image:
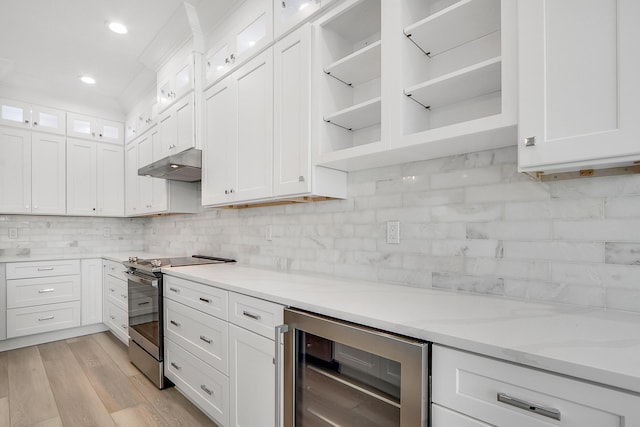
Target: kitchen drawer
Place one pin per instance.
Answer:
(117, 292)
(43, 318)
(199, 333)
(205, 298)
(471, 384)
(142, 305)
(254, 314)
(115, 269)
(25, 270)
(204, 385)
(117, 320)
(42, 290)
(443, 417)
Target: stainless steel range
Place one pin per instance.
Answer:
(146, 340)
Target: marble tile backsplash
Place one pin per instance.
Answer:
(467, 223)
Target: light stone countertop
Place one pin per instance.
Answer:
(589, 343)
(112, 256)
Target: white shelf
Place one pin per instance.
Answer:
(359, 67)
(479, 79)
(358, 116)
(456, 25)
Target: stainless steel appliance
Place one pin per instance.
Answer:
(146, 340)
(367, 377)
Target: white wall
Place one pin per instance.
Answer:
(468, 223)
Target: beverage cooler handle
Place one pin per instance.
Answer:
(280, 329)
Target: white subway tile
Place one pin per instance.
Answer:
(478, 284)
(521, 230)
(433, 198)
(555, 250)
(433, 231)
(622, 253)
(534, 269)
(467, 248)
(375, 202)
(514, 191)
(403, 276)
(467, 213)
(622, 230)
(404, 184)
(621, 207)
(596, 187)
(411, 214)
(554, 208)
(451, 264)
(466, 178)
(605, 275)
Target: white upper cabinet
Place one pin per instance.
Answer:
(35, 117)
(93, 128)
(289, 13)
(177, 127)
(245, 32)
(32, 172)
(238, 149)
(579, 85)
(143, 119)
(176, 79)
(132, 200)
(95, 179)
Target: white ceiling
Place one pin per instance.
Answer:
(46, 45)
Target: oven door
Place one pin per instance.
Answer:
(145, 311)
(338, 373)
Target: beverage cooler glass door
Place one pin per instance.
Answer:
(338, 373)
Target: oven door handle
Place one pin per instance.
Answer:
(280, 329)
(142, 280)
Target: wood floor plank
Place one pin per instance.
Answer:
(78, 403)
(5, 420)
(143, 415)
(112, 385)
(4, 379)
(31, 399)
(118, 352)
(172, 405)
(53, 422)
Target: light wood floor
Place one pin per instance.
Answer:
(86, 381)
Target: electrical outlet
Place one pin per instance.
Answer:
(268, 233)
(106, 232)
(13, 233)
(393, 232)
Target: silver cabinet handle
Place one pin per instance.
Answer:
(176, 290)
(205, 339)
(45, 318)
(178, 367)
(206, 390)
(528, 406)
(143, 303)
(280, 329)
(45, 268)
(112, 317)
(251, 315)
(44, 291)
(530, 141)
(174, 323)
(208, 301)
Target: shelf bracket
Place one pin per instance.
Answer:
(328, 73)
(417, 45)
(410, 96)
(336, 124)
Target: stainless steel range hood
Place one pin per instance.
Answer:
(185, 166)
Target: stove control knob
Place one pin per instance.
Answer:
(133, 259)
(156, 262)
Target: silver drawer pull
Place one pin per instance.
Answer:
(44, 291)
(124, 327)
(143, 303)
(251, 315)
(176, 290)
(176, 365)
(45, 268)
(206, 390)
(205, 339)
(112, 317)
(174, 323)
(45, 318)
(111, 290)
(528, 406)
(124, 296)
(208, 301)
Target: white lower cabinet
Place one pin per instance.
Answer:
(503, 394)
(115, 302)
(443, 417)
(219, 351)
(42, 318)
(91, 275)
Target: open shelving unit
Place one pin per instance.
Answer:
(361, 66)
(357, 117)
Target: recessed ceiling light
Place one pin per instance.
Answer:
(118, 28)
(88, 80)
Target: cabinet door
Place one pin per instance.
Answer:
(48, 186)
(145, 183)
(80, 126)
(91, 276)
(81, 177)
(108, 131)
(218, 61)
(252, 29)
(132, 180)
(254, 170)
(219, 148)
(45, 119)
(15, 170)
(168, 128)
(582, 112)
(15, 113)
(252, 377)
(110, 180)
(289, 13)
(185, 130)
(292, 137)
(183, 78)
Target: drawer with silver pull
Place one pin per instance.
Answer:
(25, 270)
(42, 318)
(205, 298)
(207, 387)
(42, 290)
(254, 314)
(201, 334)
(505, 394)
